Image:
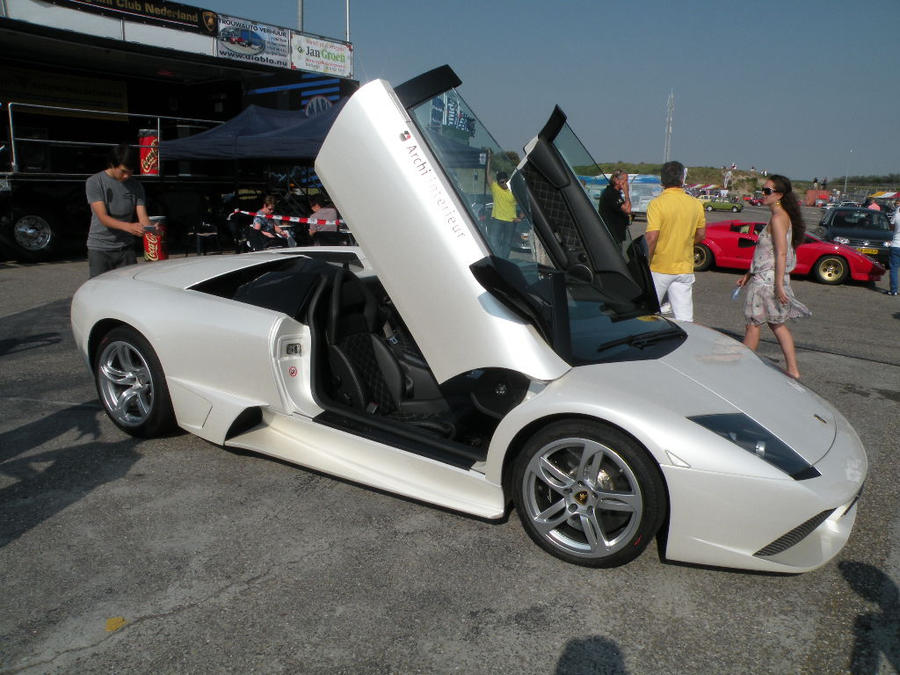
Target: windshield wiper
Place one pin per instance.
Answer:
(642, 340)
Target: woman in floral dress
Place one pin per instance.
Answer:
(769, 296)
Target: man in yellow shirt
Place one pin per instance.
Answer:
(675, 222)
(504, 214)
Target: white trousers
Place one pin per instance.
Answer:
(679, 288)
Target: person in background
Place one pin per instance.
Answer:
(769, 296)
(323, 210)
(615, 205)
(675, 222)
(118, 212)
(895, 250)
(273, 234)
(504, 216)
(872, 205)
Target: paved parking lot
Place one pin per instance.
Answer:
(175, 555)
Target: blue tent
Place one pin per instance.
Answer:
(257, 132)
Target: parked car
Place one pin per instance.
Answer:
(833, 205)
(424, 363)
(869, 232)
(730, 244)
(719, 204)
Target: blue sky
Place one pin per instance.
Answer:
(797, 87)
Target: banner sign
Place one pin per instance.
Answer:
(157, 12)
(317, 55)
(245, 40)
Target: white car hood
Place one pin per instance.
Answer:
(735, 374)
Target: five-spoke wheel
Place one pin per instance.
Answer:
(588, 493)
(703, 257)
(131, 384)
(831, 269)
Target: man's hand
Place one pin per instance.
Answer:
(135, 228)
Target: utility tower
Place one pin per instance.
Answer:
(670, 111)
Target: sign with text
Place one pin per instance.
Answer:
(317, 55)
(157, 12)
(245, 40)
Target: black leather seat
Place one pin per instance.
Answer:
(366, 373)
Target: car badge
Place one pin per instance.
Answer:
(404, 136)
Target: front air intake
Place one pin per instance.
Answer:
(795, 536)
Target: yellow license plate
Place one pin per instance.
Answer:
(868, 251)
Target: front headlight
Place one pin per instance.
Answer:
(757, 440)
(841, 240)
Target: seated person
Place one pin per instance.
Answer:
(272, 234)
(323, 210)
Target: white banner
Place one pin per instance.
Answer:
(246, 40)
(317, 55)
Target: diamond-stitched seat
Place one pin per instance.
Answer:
(366, 374)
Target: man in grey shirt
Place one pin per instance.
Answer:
(118, 212)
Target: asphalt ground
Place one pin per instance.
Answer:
(174, 555)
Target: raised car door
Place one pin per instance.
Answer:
(575, 235)
(410, 214)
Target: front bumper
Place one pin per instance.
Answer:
(767, 525)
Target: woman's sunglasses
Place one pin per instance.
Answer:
(767, 191)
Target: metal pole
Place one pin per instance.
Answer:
(300, 15)
(13, 162)
(347, 12)
(846, 172)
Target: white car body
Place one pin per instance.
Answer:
(222, 358)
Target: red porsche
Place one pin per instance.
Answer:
(730, 243)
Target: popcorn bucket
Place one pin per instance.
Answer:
(155, 240)
(149, 143)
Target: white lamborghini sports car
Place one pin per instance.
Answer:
(441, 362)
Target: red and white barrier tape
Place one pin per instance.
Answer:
(288, 219)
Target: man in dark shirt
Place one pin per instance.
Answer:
(118, 212)
(615, 206)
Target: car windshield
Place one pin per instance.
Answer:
(472, 160)
(862, 219)
(544, 229)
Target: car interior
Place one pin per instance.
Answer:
(372, 378)
(368, 373)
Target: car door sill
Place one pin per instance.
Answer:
(392, 434)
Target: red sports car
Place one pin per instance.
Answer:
(730, 243)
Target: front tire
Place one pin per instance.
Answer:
(703, 258)
(734, 209)
(709, 208)
(131, 384)
(831, 270)
(588, 493)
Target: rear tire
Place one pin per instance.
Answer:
(588, 493)
(709, 208)
(831, 270)
(131, 384)
(34, 235)
(703, 258)
(734, 209)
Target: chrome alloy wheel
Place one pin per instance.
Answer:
(125, 384)
(582, 497)
(32, 233)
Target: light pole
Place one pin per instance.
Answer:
(847, 171)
